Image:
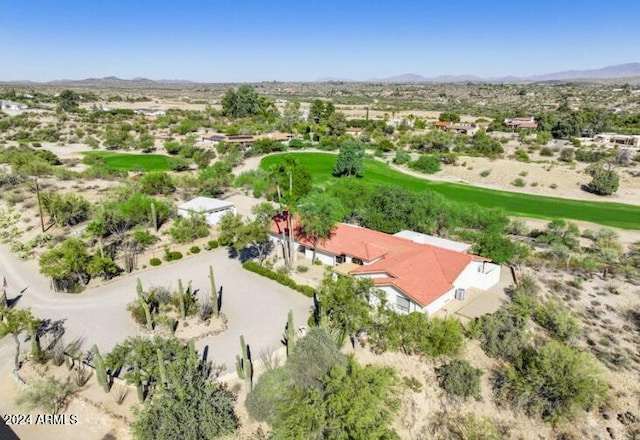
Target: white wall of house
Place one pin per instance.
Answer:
(212, 218)
(478, 274)
(392, 295)
(439, 303)
(325, 258)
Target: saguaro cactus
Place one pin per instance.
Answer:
(161, 369)
(193, 356)
(138, 381)
(183, 311)
(147, 311)
(290, 334)
(214, 293)
(154, 217)
(244, 366)
(101, 371)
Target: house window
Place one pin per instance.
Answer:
(340, 259)
(402, 304)
(355, 260)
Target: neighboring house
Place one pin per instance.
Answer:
(522, 123)
(149, 112)
(10, 105)
(417, 272)
(459, 128)
(618, 139)
(213, 209)
(216, 138)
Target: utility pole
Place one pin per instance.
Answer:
(39, 204)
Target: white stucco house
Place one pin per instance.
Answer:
(416, 272)
(11, 105)
(213, 209)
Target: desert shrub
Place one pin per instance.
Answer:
(262, 400)
(426, 164)
(415, 333)
(485, 173)
(143, 237)
(401, 157)
(49, 394)
(460, 379)
(157, 183)
(503, 335)
(556, 319)
(190, 303)
(519, 182)
(546, 151)
(521, 155)
(302, 268)
(185, 230)
(155, 262)
(553, 382)
(312, 358)
(194, 249)
(205, 309)
(413, 384)
(456, 426)
(605, 181)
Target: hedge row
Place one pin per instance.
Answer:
(282, 279)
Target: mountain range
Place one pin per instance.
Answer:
(629, 70)
(617, 72)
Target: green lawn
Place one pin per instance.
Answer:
(132, 162)
(605, 213)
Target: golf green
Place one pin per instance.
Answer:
(132, 162)
(616, 215)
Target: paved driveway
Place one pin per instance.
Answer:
(255, 306)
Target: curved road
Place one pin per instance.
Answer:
(255, 306)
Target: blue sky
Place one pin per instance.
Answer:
(226, 41)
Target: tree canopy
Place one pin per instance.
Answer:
(240, 102)
(349, 161)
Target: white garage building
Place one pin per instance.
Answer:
(213, 209)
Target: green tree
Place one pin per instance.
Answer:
(449, 117)
(67, 264)
(240, 103)
(345, 302)
(350, 161)
(319, 214)
(13, 322)
(292, 181)
(68, 100)
(65, 209)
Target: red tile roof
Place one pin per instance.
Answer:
(423, 272)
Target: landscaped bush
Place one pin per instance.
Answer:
(194, 249)
(460, 379)
(282, 279)
(155, 262)
(172, 255)
(212, 244)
